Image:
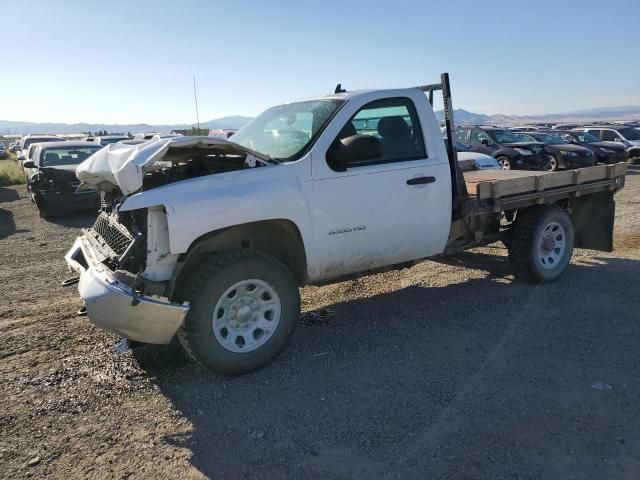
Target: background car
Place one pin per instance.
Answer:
(107, 139)
(52, 181)
(561, 154)
(27, 140)
(3, 151)
(605, 152)
(623, 134)
(504, 146)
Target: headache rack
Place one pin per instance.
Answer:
(459, 188)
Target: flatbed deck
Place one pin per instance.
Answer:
(503, 189)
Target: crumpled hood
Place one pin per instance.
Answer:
(125, 165)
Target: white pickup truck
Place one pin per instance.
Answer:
(209, 239)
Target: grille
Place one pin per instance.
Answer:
(113, 234)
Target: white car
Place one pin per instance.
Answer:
(27, 140)
(473, 160)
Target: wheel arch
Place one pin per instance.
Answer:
(280, 238)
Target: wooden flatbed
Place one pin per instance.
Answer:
(496, 190)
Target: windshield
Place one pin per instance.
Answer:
(285, 131)
(523, 137)
(630, 133)
(550, 139)
(52, 157)
(503, 136)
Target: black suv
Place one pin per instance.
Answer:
(504, 146)
(605, 152)
(561, 154)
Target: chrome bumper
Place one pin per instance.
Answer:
(114, 306)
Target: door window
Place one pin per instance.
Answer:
(609, 136)
(478, 135)
(393, 123)
(462, 135)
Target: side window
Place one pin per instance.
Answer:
(390, 129)
(609, 136)
(595, 133)
(462, 135)
(478, 135)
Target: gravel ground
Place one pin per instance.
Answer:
(450, 369)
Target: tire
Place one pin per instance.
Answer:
(553, 164)
(504, 161)
(541, 243)
(217, 319)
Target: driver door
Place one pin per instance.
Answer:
(386, 210)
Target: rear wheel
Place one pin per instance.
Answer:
(245, 306)
(541, 243)
(504, 162)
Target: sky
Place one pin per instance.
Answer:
(133, 61)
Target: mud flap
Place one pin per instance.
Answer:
(593, 217)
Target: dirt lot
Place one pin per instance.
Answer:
(450, 369)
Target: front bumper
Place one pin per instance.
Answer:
(61, 202)
(578, 162)
(113, 305)
(531, 162)
(610, 158)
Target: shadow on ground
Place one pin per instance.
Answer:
(8, 194)
(484, 378)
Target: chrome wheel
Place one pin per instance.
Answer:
(552, 245)
(246, 316)
(504, 163)
(553, 163)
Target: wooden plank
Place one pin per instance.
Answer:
(494, 184)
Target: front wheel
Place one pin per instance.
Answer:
(245, 306)
(553, 164)
(541, 243)
(504, 162)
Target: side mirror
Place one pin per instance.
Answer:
(486, 142)
(354, 149)
(618, 139)
(29, 164)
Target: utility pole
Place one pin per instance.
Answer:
(195, 97)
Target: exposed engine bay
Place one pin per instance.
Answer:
(183, 165)
(133, 168)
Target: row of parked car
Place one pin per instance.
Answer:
(546, 148)
(49, 163)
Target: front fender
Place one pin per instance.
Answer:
(204, 204)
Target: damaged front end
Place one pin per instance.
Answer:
(125, 261)
(56, 191)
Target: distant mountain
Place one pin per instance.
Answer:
(10, 127)
(463, 117)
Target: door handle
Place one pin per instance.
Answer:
(421, 180)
